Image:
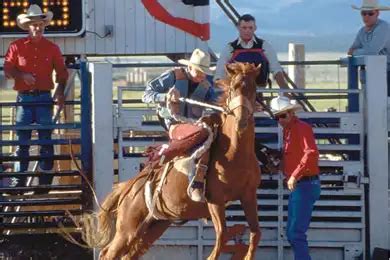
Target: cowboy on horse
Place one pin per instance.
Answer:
(180, 118)
(146, 205)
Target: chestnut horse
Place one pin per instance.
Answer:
(233, 174)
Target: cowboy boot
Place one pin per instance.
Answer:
(196, 188)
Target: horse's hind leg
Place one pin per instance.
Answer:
(131, 214)
(146, 240)
(249, 204)
(116, 248)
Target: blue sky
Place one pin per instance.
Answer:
(294, 18)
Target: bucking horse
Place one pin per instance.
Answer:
(137, 212)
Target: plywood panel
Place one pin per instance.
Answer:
(160, 37)
(150, 33)
(180, 41)
(130, 25)
(200, 44)
(170, 39)
(2, 46)
(120, 26)
(135, 32)
(60, 42)
(190, 43)
(80, 46)
(99, 26)
(69, 45)
(6, 43)
(109, 20)
(90, 38)
(140, 29)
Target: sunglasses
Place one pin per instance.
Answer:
(282, 116)
(364, 13)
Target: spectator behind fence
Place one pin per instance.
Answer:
(30, 61)
(249, 48)
(374, 37)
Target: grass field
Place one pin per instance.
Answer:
(317, 77)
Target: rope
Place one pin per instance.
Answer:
(83, 175)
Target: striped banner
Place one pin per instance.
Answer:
(191, 16)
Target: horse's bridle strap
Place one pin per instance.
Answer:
(240, 101)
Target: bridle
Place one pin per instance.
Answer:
(235, 102)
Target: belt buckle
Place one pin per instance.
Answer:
(35, 92)
(29, 92)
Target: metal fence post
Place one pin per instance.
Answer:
(86, 131)
(86, 134)
(102, 128)
(353, 83)
(377, 150)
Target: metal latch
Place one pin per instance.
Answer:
(355, 178)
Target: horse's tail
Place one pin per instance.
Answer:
(99, 229)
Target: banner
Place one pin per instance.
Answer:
(191, 16)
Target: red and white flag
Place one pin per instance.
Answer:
(191, 16)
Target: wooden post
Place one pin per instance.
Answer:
(296, 52)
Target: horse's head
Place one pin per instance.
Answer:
(241, 92)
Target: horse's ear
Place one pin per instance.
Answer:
(229, 70)
(257, 70)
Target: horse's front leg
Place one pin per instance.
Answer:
(249, 204)
(217, 212)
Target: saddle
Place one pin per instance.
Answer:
(184, 139)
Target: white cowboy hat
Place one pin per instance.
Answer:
(200, 60)
(369, 5)
(34, 14)
(283, 104)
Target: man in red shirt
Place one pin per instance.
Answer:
(300, 167)
(30, 61)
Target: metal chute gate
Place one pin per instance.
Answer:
(34, 211)
(348, 221)
(340, 223)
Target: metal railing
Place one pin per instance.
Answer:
(343, 203)
(21, 206)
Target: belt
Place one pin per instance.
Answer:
(309, 178)
(34, 92)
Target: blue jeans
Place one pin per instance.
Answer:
(27, 115)
(300, 206)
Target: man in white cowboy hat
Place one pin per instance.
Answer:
(374, 37)
(300, 167)
(189, 82)
(30, 61)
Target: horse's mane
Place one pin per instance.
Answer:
(233, 69)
